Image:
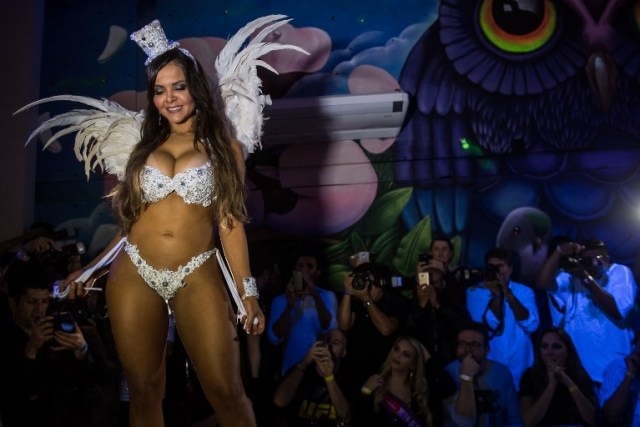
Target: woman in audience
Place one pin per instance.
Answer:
(557, 390)
(398, 396)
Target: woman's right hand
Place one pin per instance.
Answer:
(71, 278)
(554, 373)
(69, 287)
(254, 322)
(374, 382)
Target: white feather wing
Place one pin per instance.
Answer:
(238, 81)
(105, 134)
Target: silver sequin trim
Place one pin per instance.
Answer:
(165, 282)
(194, 185)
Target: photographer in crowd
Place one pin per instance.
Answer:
(593, 298)
(372, 314)
(302, 311)
(508, 310)
(435, 314)
(312, 391)
(43, 356)
(439, 258)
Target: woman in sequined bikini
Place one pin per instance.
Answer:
(183, 179)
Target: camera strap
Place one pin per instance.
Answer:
(498, 329)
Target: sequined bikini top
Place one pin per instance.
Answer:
(194, 185)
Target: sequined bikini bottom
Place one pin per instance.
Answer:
(165, 282)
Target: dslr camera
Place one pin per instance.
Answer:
(57, 259)
(568, 262)
(468, 276)
(491, 273)
(362, 276)
(361, 280)
(63, 321)
(55, 255)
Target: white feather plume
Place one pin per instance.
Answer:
(105, 134)
(238, 81)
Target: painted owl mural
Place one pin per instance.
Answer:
(526, 103)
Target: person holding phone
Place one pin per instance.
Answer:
(303, 310)
(438, 262)
(435, 314)
(312, 393)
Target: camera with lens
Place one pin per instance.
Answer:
(370, 274)
(491, 273)
(56, 261)
(361, 280)
(65, 312)
(568, 262)
(63, 321)
(65, 252)
(468, 276)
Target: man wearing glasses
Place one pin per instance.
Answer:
(485, 394)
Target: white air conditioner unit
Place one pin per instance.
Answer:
(334, 118)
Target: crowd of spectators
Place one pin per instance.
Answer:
(439, 351)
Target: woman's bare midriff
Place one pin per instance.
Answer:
(170, 232)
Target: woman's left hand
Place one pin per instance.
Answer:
(254, 322)
(562, 377)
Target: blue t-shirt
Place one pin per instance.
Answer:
(305, 325)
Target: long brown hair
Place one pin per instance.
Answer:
(417, 381)
(573, 366)
(210, 130)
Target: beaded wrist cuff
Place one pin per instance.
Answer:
(250, 287)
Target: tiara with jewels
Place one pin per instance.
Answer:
(154, 42)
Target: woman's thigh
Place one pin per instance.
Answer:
(206, 325)
(139, 319)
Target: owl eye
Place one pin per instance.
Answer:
(518, 26)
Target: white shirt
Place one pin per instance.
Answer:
(512, 346)
(598, 338)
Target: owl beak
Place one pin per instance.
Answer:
(602, 74)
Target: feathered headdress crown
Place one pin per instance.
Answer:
(154, 42)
